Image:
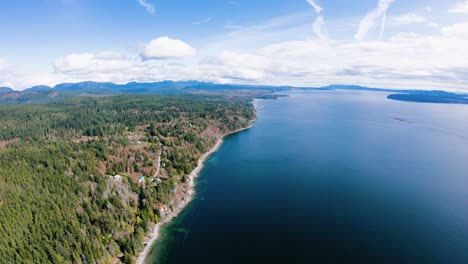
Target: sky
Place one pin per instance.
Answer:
(419, 44)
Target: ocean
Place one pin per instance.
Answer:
(331, 177)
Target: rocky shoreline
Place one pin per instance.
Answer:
(181, 203)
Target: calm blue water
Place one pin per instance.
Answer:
(330, 177)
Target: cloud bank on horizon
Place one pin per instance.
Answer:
(386, 43)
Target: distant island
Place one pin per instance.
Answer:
(438, 97)
(417, 96)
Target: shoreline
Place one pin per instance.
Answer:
(187, 198)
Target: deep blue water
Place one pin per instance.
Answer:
(331, 177)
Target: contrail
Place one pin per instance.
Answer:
(370, 19)
(317, 8)
(384, 21)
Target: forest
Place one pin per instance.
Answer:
(69, 170)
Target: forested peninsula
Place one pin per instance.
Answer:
(83, 180)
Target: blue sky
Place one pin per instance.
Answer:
(384, 43)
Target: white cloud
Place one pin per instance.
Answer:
(319, 22)
(203, 21)
(317, 8)
(3, 65)
(406, 60)
(369, 20)
(249, 37)
(89, 63)
(410, 18)
(148, 6)
(460, 8)
(5, 73)
(318, 28)
(277, 53)
(119, 68)
(456, 31)
(167, 48)
(232, 66)
(11, 77)
(230, 26)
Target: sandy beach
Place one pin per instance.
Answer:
(188, 198)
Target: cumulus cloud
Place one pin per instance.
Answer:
(89, 63)
(370, 19)
(167, 48)
(317, 8)
(119, 68)
(460, 8)
(148, 6)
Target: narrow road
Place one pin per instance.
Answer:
(159, 161)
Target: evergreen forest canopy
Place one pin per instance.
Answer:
(60, 201)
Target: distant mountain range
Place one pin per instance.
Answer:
(5, 90)
(45, 94)
(39, 88)
(134, 87)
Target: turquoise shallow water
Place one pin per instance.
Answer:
(331, 177)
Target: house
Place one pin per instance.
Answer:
(163, 209)
(157, 180)
(141, 179)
